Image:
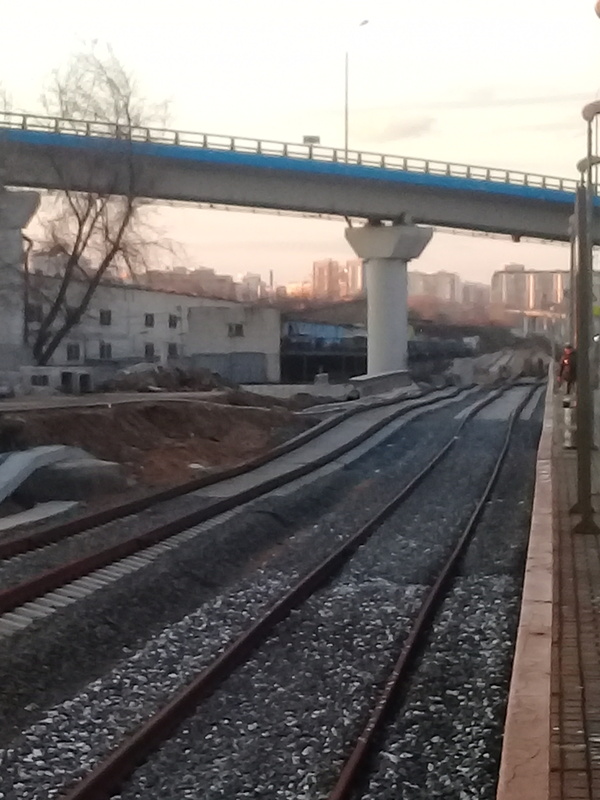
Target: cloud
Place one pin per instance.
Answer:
(403, 129)
(558, 126)
(489, 98)
(494, 101)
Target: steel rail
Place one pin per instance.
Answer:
(57, 577)
(64, 530)
(104, 779)
(353, 771)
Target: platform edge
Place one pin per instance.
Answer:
(525, 761)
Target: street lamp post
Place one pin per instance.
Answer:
(347, 95)
(346, 103)
(585, 409)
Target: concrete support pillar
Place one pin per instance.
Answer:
(16, 209)
(386, 250)
(387, 311)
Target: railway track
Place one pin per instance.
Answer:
(106, 778)
(352, 774)
(47, 590)
(94, 521)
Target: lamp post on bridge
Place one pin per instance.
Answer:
(347, 95)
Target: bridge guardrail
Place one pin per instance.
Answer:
(240, 144)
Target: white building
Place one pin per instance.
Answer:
(237, 341)
(126, 324)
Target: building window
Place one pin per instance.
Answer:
(34, 313)
(105, 350)
(149, 320)
(73, 352)
(172, 350)
(235, 329)
(149, 350)
(39, 380)
(173, 320)
(105, 316)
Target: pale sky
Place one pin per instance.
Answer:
(472, 81)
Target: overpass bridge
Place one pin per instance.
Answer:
(50, 153)
(399, 197)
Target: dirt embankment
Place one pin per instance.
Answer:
(157, 442)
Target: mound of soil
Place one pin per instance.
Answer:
(157, 442)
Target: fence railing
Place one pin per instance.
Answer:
(311, 152)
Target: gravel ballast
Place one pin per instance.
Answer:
(332, 650)
(292, 711)
(50, 662)
(446, 740)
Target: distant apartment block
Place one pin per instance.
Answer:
(518, 289)
(442, 285)
(334, 281)
(299, 289)
(475, 294)
(200, 281)
(251, 287)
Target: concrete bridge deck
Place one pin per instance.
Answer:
(50, 153)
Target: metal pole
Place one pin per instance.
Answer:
(584, 412)
(590, 188)
(346, 104)
(573, 278)
(591, 191)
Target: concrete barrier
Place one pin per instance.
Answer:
(17, 467)
(338, 391)
(368, 385)
(39, 513)
(72, 480)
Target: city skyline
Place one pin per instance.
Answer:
(222, 65)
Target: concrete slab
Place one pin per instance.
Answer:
(40, 512)
(309, 452)
(17, 467)
(369, 385)
(502, 409)
(72, 480)
(411, 390)
(284, 391)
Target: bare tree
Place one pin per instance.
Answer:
(5, 99)
(99, 230)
